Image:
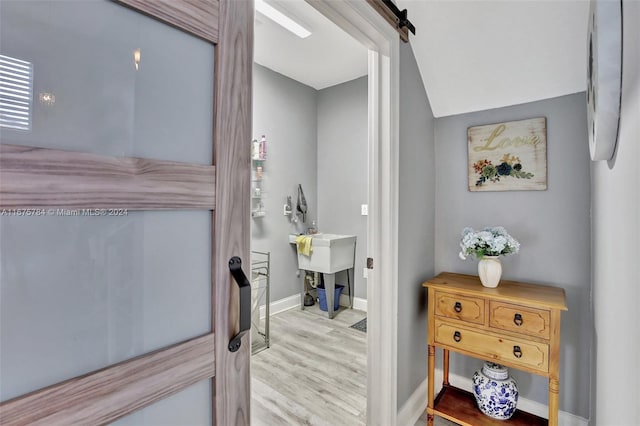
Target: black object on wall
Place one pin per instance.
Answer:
(403, 20)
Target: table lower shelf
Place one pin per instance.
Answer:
(459, 406)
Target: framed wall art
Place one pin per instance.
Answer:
(509, 156)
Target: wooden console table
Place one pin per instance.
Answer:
(516, 325)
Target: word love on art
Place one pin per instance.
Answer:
(494, 143)
(510, 156)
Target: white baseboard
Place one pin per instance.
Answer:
(294, 302)
(414, 407)
(358, 302)
(417, 403)
(281, 305)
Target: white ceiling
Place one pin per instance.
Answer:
(476, 55)
(329, 56)
(472, 54)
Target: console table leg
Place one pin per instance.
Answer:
(430, 384)
(554, 394)
(445, 367)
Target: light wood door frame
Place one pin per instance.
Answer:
(234, 64)
(365, 24)
(80, 180)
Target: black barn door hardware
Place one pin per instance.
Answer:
(403, 20)
(235, 266)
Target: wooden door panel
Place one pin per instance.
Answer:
(104, 396)
(193, 16)
(234, 62)
(190, 406)
(49, 178)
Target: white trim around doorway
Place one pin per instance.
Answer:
(362, 22)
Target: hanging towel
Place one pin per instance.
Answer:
(303, 242)
(302, 203)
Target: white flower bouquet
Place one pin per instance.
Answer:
(493, 241)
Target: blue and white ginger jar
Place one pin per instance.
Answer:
(495, 391)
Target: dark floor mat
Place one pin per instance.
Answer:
(361, 325)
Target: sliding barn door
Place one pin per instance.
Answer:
(124, 191)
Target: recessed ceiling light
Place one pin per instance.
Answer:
(282, 19)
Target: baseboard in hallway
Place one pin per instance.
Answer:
(291, 302)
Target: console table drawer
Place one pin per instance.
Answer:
(519, 319)
(464, 308)
(533, 355)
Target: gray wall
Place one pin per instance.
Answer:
(342, 168)
(616, 232)
(285, 111)
(416, 219)
(318, 139)
(553, 227)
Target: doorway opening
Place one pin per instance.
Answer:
(360, 21)
(309, 178)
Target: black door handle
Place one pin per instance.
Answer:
(235, 266)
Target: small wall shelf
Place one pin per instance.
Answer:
(257, 192)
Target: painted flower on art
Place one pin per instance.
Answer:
(508, 166)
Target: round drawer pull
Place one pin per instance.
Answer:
(517, 352)
(517, 319)
(456, 336)
(457, 307)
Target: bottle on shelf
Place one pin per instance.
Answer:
(263, 148)
(255, 150)
(258, 152)
(313, 229)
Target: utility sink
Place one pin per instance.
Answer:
(331, 253)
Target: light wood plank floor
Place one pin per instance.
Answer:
(314, 373)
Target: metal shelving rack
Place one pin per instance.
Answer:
(260, 276)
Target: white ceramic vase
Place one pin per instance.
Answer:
(490, 271)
